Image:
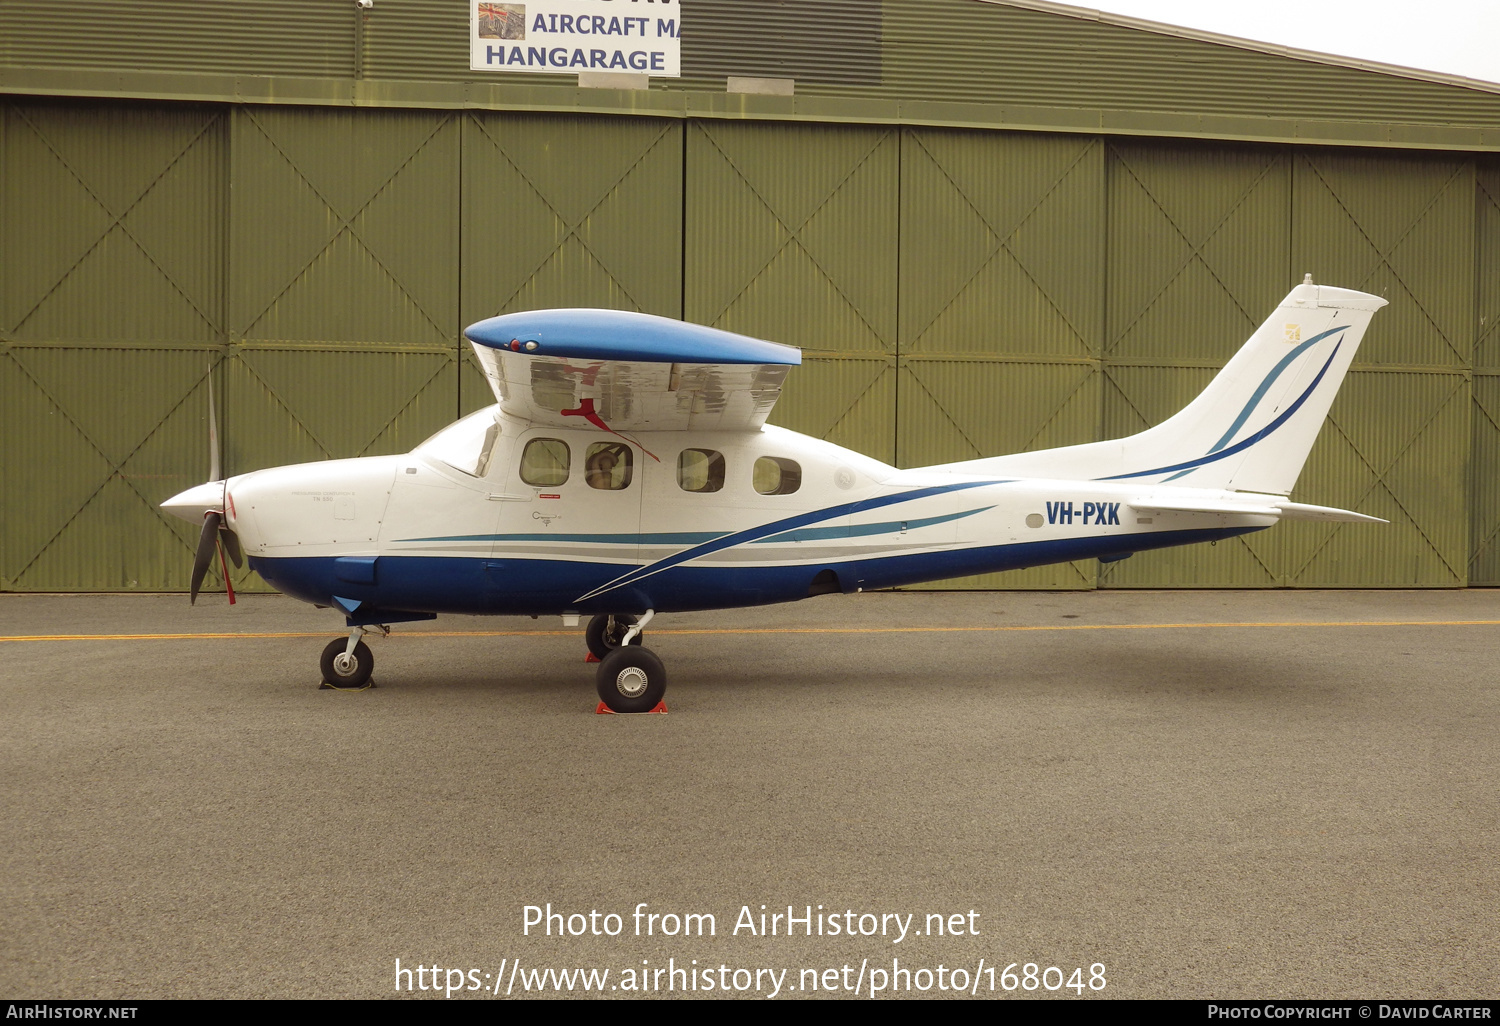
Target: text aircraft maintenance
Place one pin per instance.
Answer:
(628, 470)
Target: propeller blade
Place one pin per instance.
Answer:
(213, 431)
(205, 553)
(232, 544)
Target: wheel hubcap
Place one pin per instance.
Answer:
(632, 682)
(344, 664)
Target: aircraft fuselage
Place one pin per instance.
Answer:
(707, 520)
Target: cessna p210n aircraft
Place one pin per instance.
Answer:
(628, 470)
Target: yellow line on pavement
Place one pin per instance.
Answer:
(244, 635)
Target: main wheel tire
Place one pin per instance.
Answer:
(631, 680)
(343, 671)
(602, 640)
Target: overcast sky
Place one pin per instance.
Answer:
(1460, 37)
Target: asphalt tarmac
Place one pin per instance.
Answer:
(1178, 794)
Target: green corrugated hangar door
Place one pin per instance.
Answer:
(1198, 251)
(1397, 440)
(307, 258)
(563, 210)
(1203, 240)
(791, 234)
(1002, 274)
(343, 278)
(958, 293)
(303, 259)
(342, 285)
(1484, 467)
(111, 305)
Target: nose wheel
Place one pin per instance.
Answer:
(346, 664)
(346, 667)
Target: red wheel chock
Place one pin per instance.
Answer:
(603, 709)
(591, 658)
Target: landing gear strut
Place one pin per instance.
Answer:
(630, 678)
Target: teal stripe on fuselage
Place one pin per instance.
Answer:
(864, 530)
(700, 537)
(677, 538)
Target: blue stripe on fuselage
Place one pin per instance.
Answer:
(779, 527)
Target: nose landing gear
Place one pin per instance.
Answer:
(346, 669)
(347, 664)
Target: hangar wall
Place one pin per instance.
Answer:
(958, 293)
(992, 63)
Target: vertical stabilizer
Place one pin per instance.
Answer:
(1252, 427)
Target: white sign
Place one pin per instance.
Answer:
(636, 37)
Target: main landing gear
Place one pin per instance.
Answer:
(630, 679)
(606, 632)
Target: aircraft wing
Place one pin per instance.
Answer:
(1256, 505)
(629, 371)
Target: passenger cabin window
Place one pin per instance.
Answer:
(607, 465)
(544, 463)
(700, 470)
(776, 476)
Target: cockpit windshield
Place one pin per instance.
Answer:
(466, 444)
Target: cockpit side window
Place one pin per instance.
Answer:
(607, 465)
(466, 444)
(700, 470)
(775, 475)
(544, 463)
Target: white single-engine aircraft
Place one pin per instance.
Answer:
(628, 470)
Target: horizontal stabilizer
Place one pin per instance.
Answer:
(1303, 511)
(1258, 506)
